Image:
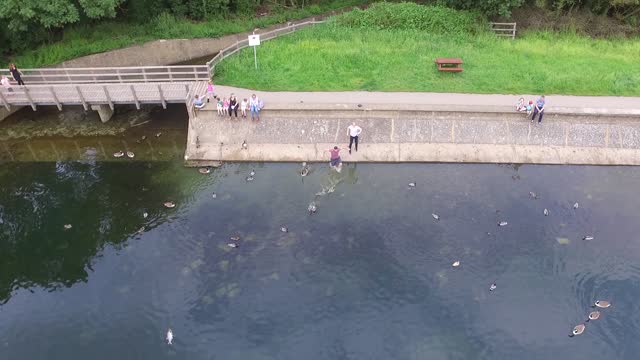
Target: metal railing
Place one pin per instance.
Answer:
(96, 94)
(239, 45)
(504, 29)
(137, 74)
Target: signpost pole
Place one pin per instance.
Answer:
(255, 57)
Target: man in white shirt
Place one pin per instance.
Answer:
(353, 130)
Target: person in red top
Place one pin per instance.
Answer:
(335, 157)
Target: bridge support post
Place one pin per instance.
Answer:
(104, 111)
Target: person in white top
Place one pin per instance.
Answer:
(354, 131)
(5, 82)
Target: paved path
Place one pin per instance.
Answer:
(558, 104)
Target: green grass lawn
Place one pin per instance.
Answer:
(333, 58)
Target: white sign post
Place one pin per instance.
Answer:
(254, 40)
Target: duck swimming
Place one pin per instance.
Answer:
(588, 237)
(503, 223)
(576, 205)
(412, 184)
(594, 315)
(130, 154)
(235, 238)
(252, 173)
(169, 205)
(232, 245)
(456, 263)
(67, 226)
(204, 170)
(493, 287)
(577, 330)
(118, 154)
(436, 216)
(546, 212)
(602, 304)
(284, 229)
(169, 337)
(312, 208)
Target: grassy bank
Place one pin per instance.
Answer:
(84, 40)
(333, 57)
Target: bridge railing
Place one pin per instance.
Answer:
(137, 74)
(239, 45)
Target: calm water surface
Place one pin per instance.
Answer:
(368, 276)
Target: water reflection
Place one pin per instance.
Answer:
(368, 276)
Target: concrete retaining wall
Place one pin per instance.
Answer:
(414, 136)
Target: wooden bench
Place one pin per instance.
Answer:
(449, 64)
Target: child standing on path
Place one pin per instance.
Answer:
(210, 90)
(243, 108)
(17, 74)
(255, 105)
(538, 109)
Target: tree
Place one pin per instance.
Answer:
(24, 15)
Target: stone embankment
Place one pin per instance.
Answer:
(421, 127)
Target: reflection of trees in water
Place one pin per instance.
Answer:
(103, 202)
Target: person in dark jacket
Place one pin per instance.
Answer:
(233, 105)
(17, 75)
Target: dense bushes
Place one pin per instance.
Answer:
(410, 16)
(488, 7)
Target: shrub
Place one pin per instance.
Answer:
(411, 16)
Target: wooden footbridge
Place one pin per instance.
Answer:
(103, 88)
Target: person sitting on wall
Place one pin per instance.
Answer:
(198, 103)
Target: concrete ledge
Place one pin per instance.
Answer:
(394, 152)
(405, 136)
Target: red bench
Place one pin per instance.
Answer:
(449, 64)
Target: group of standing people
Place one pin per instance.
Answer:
(231, 105)
(15, 74)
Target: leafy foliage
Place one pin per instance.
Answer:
(410, 16)
(488, 7)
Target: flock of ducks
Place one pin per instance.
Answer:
(594, 315)
(312, 208)
(130, 154)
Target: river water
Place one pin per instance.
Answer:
(368, 276)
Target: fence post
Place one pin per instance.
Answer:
(84, 103)
(164, 103)
(144, 74)
(26, 92)
(135, 97)
(5, 102)
(106, 94)
(55, 98)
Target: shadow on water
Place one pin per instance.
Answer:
(75, 134)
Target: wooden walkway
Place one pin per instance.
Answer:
(121, 85)
(104, 86)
